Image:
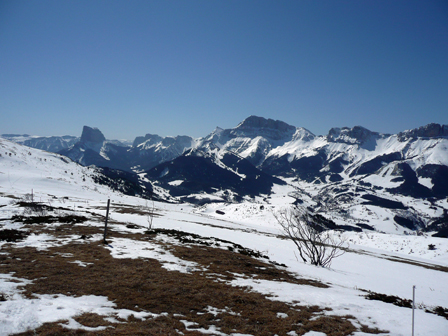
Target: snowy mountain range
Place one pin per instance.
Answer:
(357, 178)
(50, 144)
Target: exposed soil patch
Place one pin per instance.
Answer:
(72, 219)
(133, 226)
(441, 311)
(12, 235)
(397, 301)
(191, 238)
(139, 210)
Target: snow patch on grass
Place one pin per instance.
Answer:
(128, 248)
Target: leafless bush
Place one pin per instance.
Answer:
(34, 208)
(314, 245)
(150, 213)
(28, 198)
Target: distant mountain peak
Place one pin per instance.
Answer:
(6, 136)
(350, 135)
(260, 122)
(218, 130)
(90, 134)
(148, 139)
(254, 126)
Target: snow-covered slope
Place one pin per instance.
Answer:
(389, 264)
(200, 176)
(28, 170)
(151, 150)
(24, 169)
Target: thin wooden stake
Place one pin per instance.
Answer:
(105, 225)
(413, 308)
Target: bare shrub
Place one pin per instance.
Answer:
(314, 244)
(34, 208)
(150, 213)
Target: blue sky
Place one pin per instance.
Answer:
(185, 67)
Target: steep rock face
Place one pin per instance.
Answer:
(93, 135)
(93, 149)
(274, 131)
(353, 135)
(268, 128)
(429, 131)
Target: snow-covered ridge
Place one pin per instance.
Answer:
(51, 144)
(26, 170)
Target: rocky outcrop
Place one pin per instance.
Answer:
(150, 139)
(429, 131)
(357, 134)
(93, 135)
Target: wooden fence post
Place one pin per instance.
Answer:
(105, 225)
(413, 308)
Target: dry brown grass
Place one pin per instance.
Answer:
(134, 209)
(143, 285)
(230, 263)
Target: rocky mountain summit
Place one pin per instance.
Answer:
(260, 127)
(357, 134)
(92, 135)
